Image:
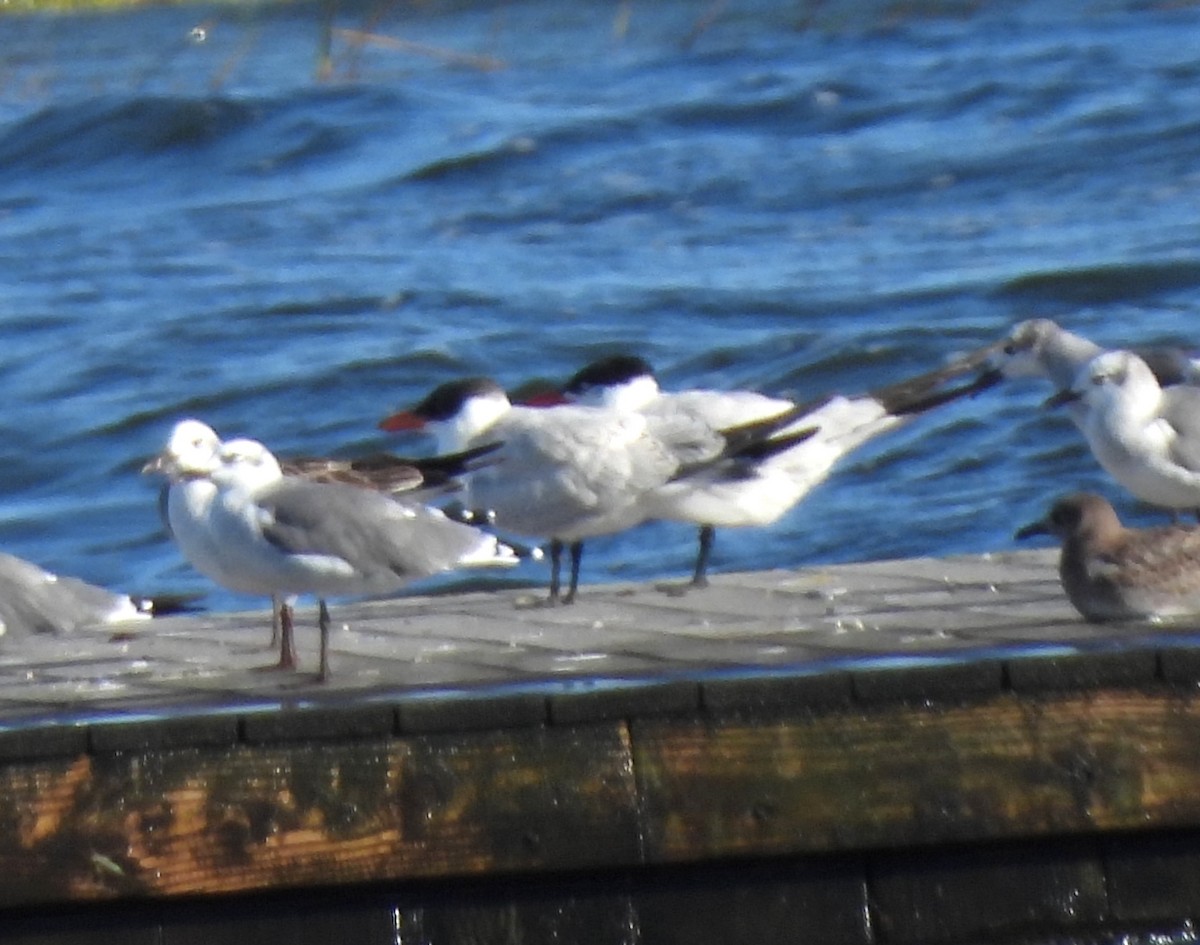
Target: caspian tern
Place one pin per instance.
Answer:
(1115, 573)
(768, 487)
(1147, 437)
(575, 472)
(245, 524)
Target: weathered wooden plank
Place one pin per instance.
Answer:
(1155, 878)
(766, 902)
(1005, 767)
(779, 900)
(289, 922)
(554, 915)
(1052, 889)
(995, 891)
(207, 820)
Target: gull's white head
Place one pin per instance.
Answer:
(193, 449)
(1039, 347)
(246, 464)
(1020, 355)
(1118, 381)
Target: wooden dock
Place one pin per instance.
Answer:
(894, 752)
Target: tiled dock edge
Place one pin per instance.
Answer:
(982, 796)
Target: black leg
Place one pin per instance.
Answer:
(556, 549)
(287, 642)
(700, 575)
(323, 623)
(276, 618)
(576, 557)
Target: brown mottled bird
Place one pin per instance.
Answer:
(385, 472)
(1111, 572)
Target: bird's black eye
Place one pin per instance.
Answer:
(1010, 349)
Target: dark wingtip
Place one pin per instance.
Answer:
(453, 465)
(761, 449)
(929, 390)
(161, 605)
(1061, 399)
(1033, 528)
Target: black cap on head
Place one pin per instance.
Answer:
(446, 400)
(608, 372)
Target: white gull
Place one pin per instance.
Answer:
(259, 531)
(1145, 436)
(34, 600)
(1041, 348)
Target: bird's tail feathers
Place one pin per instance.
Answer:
(491, 552)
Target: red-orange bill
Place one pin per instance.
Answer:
(544, 398)
(404, 420)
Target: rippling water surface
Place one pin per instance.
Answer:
(194, 221)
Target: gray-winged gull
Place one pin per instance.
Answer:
(34, 600)
(255, 530)
(1147, 437)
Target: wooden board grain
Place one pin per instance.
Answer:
(175, 821)
(902, 775)
(187, 821)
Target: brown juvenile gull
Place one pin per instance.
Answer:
(1111, 572)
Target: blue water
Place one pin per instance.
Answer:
(194, 222)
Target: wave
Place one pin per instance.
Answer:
(1109, 282)
(84, 134)
(233, 134)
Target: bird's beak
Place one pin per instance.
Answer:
(544, 398)
(157, 465)
(404, 420)
(1062, 398)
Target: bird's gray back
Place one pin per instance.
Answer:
(368, 530)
